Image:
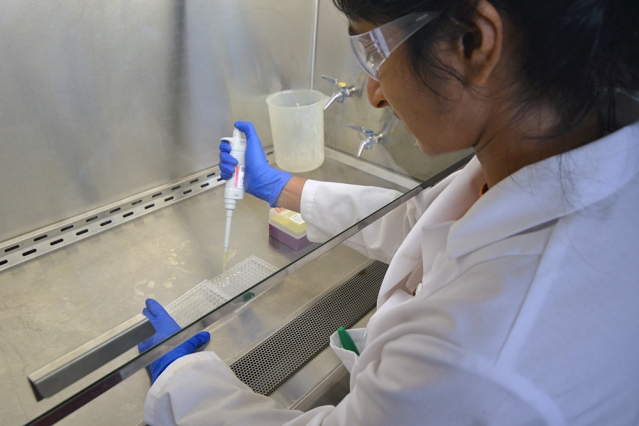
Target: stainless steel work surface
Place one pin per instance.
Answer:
(59, 301)
(239, 333)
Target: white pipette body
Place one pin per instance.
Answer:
(234, 187)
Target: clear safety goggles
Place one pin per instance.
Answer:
(374, 47)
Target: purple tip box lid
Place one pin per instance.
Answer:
(287, 239)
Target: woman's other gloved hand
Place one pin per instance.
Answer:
(166, 326)
(260, 179)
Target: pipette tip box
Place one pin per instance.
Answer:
(288, 227)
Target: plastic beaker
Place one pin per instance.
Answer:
(297, 124)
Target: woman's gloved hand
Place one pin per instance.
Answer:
(260, 179)
(166, 326)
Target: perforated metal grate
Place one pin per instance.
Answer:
(268, 365)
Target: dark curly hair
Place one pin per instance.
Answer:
(574, 54)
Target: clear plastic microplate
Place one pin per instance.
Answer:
(209, 294)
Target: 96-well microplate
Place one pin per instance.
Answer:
(209, 294)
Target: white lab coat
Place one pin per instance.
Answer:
(526, 309)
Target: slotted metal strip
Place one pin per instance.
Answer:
(268, 365)
(62, 234)
(54, 237)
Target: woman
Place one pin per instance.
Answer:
(512, 291)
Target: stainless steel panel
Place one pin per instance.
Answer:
(82, 82)
(108, 98)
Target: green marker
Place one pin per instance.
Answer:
(346, 340)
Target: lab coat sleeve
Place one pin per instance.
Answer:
(200, 389)
(420, 380)
(330, 208)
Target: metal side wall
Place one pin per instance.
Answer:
(398, 152)
(106, 98)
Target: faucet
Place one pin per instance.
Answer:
(370, 138)
(343, 91)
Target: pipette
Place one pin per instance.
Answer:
(234, 187)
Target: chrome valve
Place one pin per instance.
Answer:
(369, 140)
(343, 91)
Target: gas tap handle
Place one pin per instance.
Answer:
(342, 86)
(343, 90)
(331, 80)
(361, 130)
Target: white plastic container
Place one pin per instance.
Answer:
(297, 124)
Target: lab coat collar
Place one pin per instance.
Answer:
(548, 190)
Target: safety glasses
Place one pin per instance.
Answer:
(374, 47)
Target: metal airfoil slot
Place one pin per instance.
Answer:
(55, 376)
(47, 239)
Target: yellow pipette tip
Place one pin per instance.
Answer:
(224, 261)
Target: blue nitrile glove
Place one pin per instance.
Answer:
(166, 326)
(260, 179)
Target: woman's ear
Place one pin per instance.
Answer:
(479, 48)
